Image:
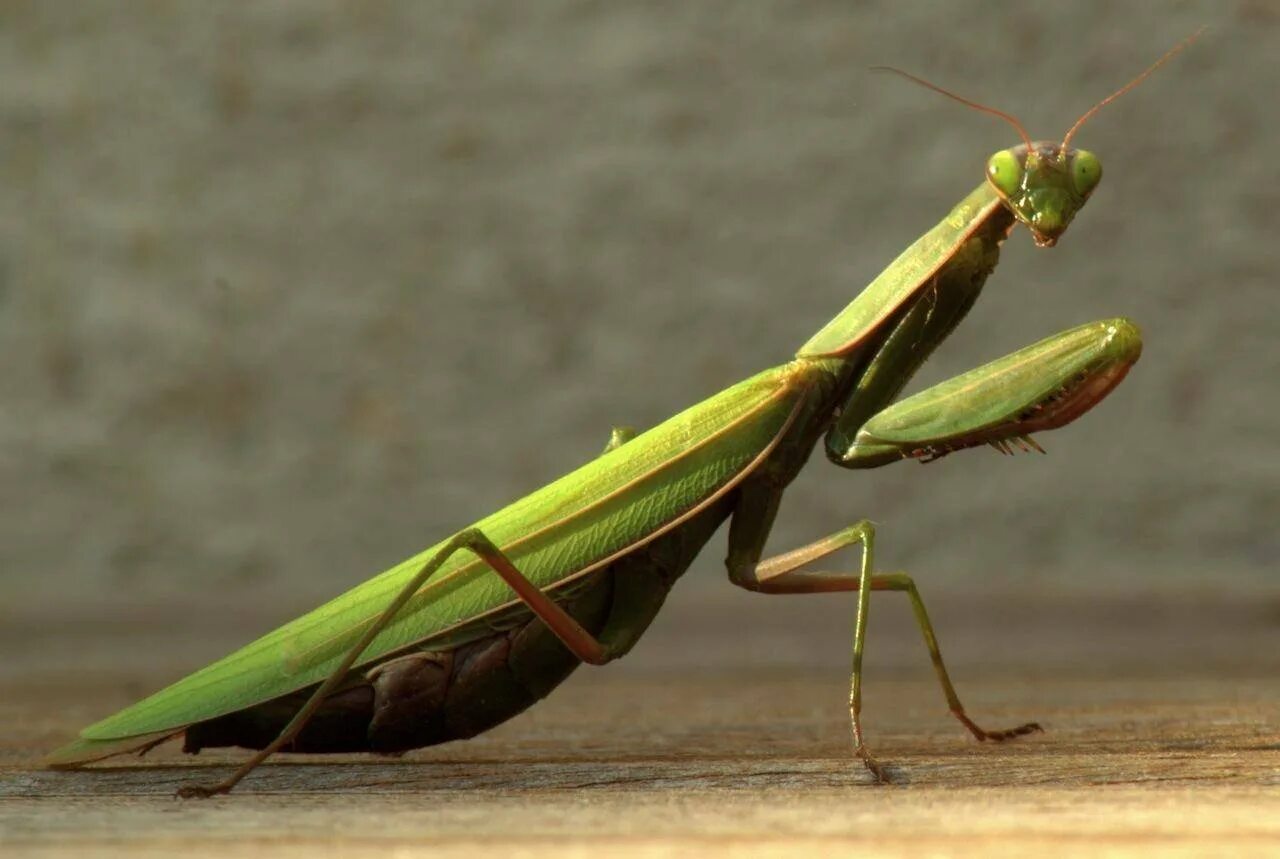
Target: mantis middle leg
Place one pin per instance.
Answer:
(781, 574)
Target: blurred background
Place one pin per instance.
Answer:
(289, 291)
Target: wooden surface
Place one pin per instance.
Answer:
(723, 734)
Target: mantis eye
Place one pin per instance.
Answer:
(1086, 172)
(1004, 171)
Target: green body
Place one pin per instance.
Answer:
(607, 540)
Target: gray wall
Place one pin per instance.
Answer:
(290, 290)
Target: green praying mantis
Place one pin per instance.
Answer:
(475, 629)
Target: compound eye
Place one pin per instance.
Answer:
(1004, 171)
(1086, 172)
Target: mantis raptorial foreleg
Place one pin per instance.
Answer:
(781, 574)
(579, 641)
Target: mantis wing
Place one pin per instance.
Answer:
(576, 524)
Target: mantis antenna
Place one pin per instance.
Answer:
(1009, 118)
(1022, 132)
(1168, 55)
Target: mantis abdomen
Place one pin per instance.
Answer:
(443, 691)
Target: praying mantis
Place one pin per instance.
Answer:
(475, 629)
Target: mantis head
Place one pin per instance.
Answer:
(1045, 183)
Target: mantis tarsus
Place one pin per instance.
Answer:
(475, 629)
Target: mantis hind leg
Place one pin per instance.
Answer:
(578, 640)
(781, 574)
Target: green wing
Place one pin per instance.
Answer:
(579, 522)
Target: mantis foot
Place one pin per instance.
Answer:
(997, 736)
(201, 791)
(879, 773)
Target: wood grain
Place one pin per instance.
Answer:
(1174, 747)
